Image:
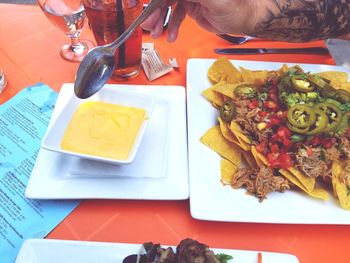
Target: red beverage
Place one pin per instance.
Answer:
(108, 21)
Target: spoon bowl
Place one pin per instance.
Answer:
(98, 65)
(96, 69)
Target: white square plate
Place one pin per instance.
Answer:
(64, 251)
(159, 171)
(225, 203)
(54, 134)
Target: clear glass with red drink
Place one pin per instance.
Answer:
(108, 19)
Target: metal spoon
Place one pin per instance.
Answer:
(98, 65)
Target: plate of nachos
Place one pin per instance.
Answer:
(268, 142)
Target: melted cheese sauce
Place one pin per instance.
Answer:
(103, 129)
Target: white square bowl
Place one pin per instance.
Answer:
(54, 134)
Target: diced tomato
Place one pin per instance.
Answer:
(271, 157)
(269, 104)
(274, 148)
(287, 142)
(262, 147)
(253, 104)
(316, 140)
(262, 113)
(328, 143)
(309, 151)
(286, 160)
(275, 121)
(284, 132)
(275, 138)
(281, 160)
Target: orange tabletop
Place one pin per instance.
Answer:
(29, 47)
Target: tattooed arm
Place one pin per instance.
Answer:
(288, 20)
(303, 20)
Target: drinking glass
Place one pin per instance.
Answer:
(108, 19)
(68, 16)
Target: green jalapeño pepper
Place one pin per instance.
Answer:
(300, 83)
(317, 81)
(296, 129)
(320, 124)
(323, 86)
(227, 111)
(333, 113)
(245, 91)
(301, 116)
(344, 123)
(329, 92)
(343, 96)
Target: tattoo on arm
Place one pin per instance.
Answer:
(304, 20)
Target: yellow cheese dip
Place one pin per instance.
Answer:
(103, 129)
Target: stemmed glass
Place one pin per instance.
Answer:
(68, 16)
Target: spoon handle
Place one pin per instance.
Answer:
(152, 6)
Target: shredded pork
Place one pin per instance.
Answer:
(248, 121)
(260, 182)
(312, 162)
(345, 146)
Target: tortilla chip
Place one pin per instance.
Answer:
(228, 170)
(222, 70)
(345, 86)
(336, 77)
(316, 192)
(343, 195)
(214, 139)
(234, 77)
(214, 97)
(341, 188)
(292, 179)
(237, 131)
(226, 132)
(284, 69)
(226, 89)
(249, 158)
(319, 193)
(306, 181)
(259, 158)
(336, 170)
(256, 77)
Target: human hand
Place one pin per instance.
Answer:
(222, 16)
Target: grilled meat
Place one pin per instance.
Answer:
(191, 251)
(188, 251)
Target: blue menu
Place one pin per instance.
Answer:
(23, 122)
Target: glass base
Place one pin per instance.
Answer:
(76, 53)
(127, 73)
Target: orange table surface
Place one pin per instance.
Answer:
(29, 47)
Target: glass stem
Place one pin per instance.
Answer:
(76, 46)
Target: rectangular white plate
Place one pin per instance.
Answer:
(64, 251)
(225, 203)
(159, 171)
